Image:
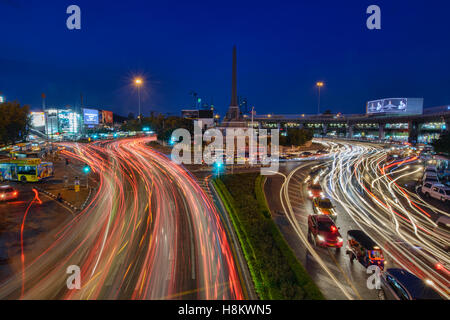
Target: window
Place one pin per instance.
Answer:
(325, 225)
(441, 191)
(427, 185)
(435, 189)
(398, 289)
(26, 170)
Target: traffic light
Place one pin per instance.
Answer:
(86, 169)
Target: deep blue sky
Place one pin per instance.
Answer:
(283, 49)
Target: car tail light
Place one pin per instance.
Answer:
(438, 266)
(15, 193)
(333, 229)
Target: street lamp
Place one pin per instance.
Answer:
(319, 85)
(138, 83)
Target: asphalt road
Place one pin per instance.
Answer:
(44, 215)
(361, 186)
(150, 232)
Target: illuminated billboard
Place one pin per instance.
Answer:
(107, 117)
(396, 106)
(90, 116)
(37, 119)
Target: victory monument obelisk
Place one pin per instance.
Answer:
(233, 113)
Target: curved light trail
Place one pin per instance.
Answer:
(149, 232)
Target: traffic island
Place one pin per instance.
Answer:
(69, 183)
(276, 272)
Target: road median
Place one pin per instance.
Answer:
(276, 272)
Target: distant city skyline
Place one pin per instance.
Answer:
(178, 48)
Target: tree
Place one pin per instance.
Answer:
(14, 122)
(296, 137)
(442, 145)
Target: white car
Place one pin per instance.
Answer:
(437, 191)
(8, 193)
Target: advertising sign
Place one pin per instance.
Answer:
(396, 106)
(37, 119)
(107, 117)
(90, 116)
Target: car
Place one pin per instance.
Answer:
(443, 222)
(305, 154)
(436, 191)
(315, 190)
(8, 193)
(323, 232)
(364, 249)
(430, 176)
(325, 207)
(399, 284)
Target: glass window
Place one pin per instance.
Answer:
(325, 225)
(26, 170)
(398, 289)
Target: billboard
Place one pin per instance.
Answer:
(395, 106)
(90, 116)
(107, 117)
(37, 119)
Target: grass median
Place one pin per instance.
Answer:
(276, 272)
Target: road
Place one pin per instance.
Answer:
(363, 187)
(149, 232)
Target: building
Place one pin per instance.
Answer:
(206, 116)
(415, 125)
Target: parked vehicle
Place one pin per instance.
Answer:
(8, 193)
(323, 232)
(325, 207)
(436, 191)
(399, 284)
(364, 249)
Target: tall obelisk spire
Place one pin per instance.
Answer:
(234, 102)
(233, 111)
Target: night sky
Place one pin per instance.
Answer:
(283, 48)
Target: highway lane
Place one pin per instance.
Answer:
(359, 209)
(149, 232)
(43, 215)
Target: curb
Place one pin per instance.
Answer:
(51, 195)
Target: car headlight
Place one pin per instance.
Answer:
(320, 238)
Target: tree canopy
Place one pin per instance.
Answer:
(14, 122)
(296, 137)
(442, 145)
(162, 125)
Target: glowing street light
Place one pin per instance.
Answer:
(319, 85)
(138, 83)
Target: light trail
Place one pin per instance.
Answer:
(149, 232)
(362, 183)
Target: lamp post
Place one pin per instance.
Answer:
(138, 83)
(319, 85)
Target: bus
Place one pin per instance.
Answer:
(25, 170)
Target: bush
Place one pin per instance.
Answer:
(275, 270)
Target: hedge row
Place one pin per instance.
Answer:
(275, 270)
